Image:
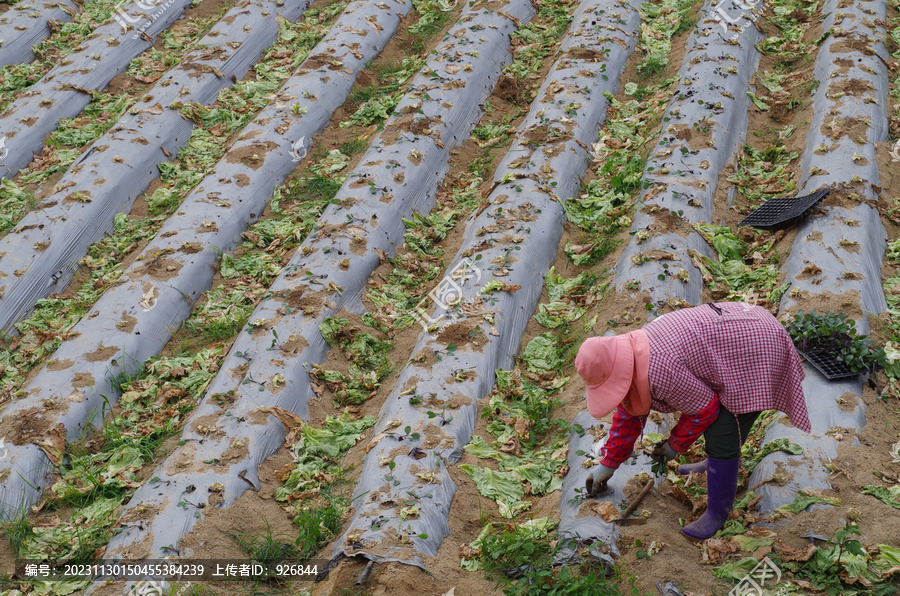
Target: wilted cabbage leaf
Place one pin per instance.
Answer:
(540, 355)
(782, 444)
(503, 487)
(807, 497)
(889, 495)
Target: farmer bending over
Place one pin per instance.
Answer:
(719, 365)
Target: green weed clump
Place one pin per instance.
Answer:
(730, 277)
(14, 203)
(433, 15)
(527, 443)
(309, 482)
(537, 39)
(420, 262)
(529, 559)
(380, 99)
(605, 204)
(792, 19)
(764, 174)
(842, 566)
(367, 354)
(266, 548)
(660, 23)
(224, 312)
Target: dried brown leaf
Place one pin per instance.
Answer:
(284, 472)
(521, 426)
(374, 441)
(53, 443)
(697, 505)
(793, 554)
(606, 510)
(512, 446)
(287, 418)
(152, 78)
(581, 249)
(467, 552)
(661, 255)
(716, 549)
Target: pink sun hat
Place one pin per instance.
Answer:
(615, 369)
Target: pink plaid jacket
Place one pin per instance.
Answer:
(626, 429)
(738, 351)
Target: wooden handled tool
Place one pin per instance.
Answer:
(624, 518)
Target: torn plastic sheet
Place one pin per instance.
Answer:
(26, 24)
(704, 126)
(403, 168)
(121, 164)
(577, 519)
(513, 241)
(153, 300)
(66, 89)
(846, 244)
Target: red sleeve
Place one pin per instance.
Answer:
(690, 427)
(623, 433)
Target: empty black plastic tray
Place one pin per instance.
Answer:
(783, 211)
(828, 364)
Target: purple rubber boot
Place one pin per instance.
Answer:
(721, 482)
(698, 467)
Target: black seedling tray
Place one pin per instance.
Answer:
(828, 364)
(783, 211)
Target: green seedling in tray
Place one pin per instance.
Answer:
(835, 335)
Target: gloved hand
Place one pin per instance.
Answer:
(597, 479)
(664, 450)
